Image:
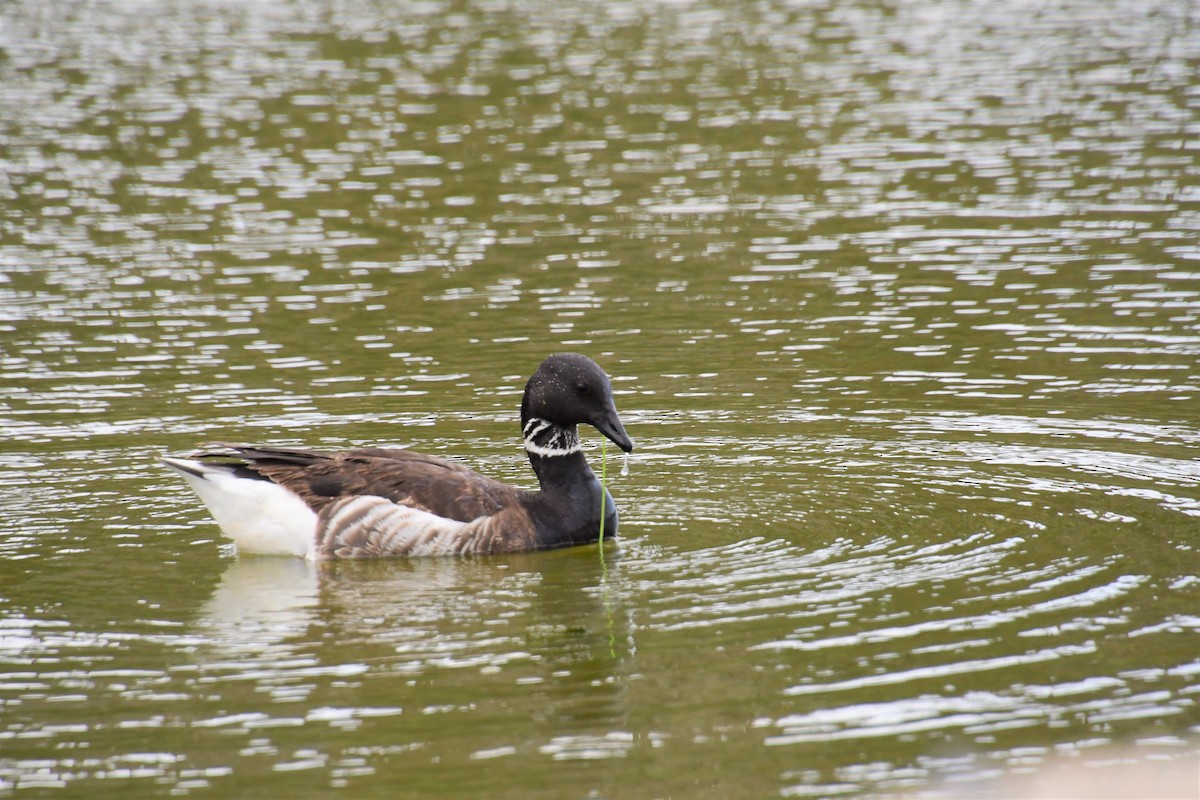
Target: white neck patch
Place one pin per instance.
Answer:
(543, 438)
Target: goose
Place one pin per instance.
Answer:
(381, 502)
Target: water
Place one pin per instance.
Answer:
(902, 309)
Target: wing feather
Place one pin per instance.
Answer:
(444, 488)
(372, 527)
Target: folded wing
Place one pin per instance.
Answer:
(427, 483)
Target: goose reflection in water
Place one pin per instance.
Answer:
(553, 620)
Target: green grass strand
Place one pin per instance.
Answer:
(603, 490)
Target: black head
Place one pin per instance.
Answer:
(570, 389)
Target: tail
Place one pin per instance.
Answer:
(259, 515)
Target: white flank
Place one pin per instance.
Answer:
(260, 516)
(390, 529)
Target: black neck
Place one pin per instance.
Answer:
(570, 495)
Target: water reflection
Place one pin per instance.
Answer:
(275, 621)
(259, 607)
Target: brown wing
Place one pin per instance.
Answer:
(426, 482)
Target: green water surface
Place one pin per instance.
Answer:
(901, 306)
